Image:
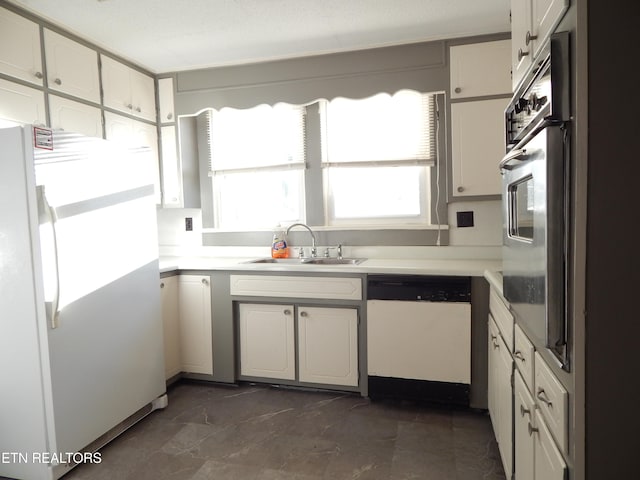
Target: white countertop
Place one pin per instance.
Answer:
(421, 266)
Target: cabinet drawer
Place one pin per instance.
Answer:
(502, 316)
(334, 288)
(523, 354)
(552, 400)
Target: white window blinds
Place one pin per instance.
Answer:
(261, 137)
(381, 129)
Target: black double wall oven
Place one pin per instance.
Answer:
(536, 207)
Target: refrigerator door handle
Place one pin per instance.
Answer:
(50, 217)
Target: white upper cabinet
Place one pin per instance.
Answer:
(128, 90)
(165, 96)
(480, 69)
(21, 105)
(71, 68)
(477, 145)
(532, 21)
(20, 54)
(75, 117)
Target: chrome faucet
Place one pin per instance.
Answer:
(313, 237)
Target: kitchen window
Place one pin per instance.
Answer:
(257, 164)
(377, 155)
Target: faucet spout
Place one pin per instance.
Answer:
(313, 237)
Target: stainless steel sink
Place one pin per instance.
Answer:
(310, 261)
(295, 261)
(334, 261)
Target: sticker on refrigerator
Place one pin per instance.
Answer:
(43, 138)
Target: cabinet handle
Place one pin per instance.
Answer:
(521, 54)
(57, 81)
(303, 314)
(529, 37)
(496, 345)
(524, 411)
(38, 74)
(287, 312)
(531, 429)
(205, 281)
(518, 354)
(161, 284)
(542, 396)
(457, 90)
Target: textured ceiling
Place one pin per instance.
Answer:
(172, 35)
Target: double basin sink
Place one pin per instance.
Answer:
(311, 261)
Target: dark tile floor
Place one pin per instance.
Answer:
(266, 433)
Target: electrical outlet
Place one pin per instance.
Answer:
(465, 219)
(188, 224)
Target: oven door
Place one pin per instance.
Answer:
(534, 257)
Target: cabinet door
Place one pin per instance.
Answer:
(196, 341)
(267, 342)
(165, 96)
(546, 15)
(76, 117)
(492, 376)
(328, 345)
(143, 95)
(171, 325)
(147, 135)
(171, 179)
(477, 146)
(419, 340)
(523, 436)
(480, 69)
(504, 391)
(21, 105)
(72, 68)
(20, 54)
(549, 464)
(521, 52)
(116, 85)
(118, 128)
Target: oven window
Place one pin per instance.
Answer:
(521, 209)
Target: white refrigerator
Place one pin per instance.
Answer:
(81, 348)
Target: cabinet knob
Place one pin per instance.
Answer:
(522, 54)
(138, 109)
(57, 81)
(303, 314)
(457, 90)
(542, 396)
(205, 281)
(129, 106)
(529, 37)
(287, 312)
(161, 284)
(38, 74)
(532, 429)
(460, 189)
(169, 116)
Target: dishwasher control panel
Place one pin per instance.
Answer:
(419, 288)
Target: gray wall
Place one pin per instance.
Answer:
(422, 67)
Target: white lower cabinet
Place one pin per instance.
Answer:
(328, 345)
(196, 340)
(548, 462)
(503, 401)
(267, 342)
(171, 326)
(523, 429)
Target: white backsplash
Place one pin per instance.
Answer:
(487, 229)
(171, 227)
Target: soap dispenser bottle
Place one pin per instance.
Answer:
(279, 248)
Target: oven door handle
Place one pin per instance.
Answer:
(516, 154)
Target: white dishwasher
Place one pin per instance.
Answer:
(419, 337)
